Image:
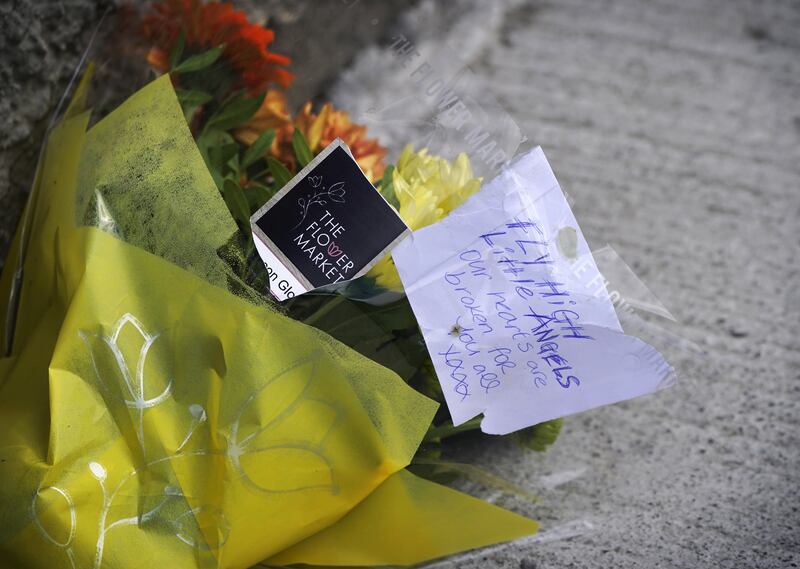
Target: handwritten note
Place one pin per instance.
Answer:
(514, 312)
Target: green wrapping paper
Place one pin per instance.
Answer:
(151, 417)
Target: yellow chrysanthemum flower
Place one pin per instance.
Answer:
(428, 187)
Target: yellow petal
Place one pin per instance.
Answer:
(317, 127)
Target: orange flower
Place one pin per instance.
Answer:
(210, 25)
(318, 129)
(322, 129)
(271, 114)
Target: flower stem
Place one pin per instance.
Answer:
(325, 309)
(448, 430)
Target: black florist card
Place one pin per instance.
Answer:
(327, 225)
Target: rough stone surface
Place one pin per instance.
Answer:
(675, 126)
(322, 37)
(41, 43)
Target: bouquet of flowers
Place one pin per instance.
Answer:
(159, 406)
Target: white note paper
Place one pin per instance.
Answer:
(514, 312)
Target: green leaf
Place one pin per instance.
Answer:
(199, 61)
(301, 149)
(257, 195)
(188, 97)
(279, 172)
(212, 138)
(233, 164)
(237, 111)
(426, 382)
(387, 188)
(217, 177)
(258, 148)
(221, 156)
(387, 334)
(234, 197)
(541, 436)
(216, 147)
(177, 50)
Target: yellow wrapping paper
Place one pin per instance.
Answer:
(151, 418)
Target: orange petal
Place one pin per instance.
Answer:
(315, 132)
(158, 59)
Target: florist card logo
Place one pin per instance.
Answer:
(320, 195)
(328, 225)
(317, 243)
